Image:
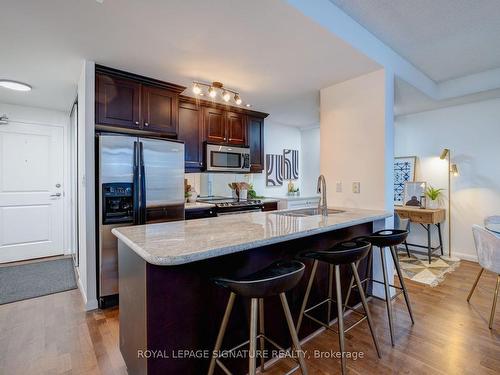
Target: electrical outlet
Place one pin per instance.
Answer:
(356, 187)
(338, 187)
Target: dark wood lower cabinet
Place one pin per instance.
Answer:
(270, 206)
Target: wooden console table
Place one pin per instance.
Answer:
(425, 217)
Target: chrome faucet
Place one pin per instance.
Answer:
(322, 205)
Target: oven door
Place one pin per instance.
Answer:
(227, 158)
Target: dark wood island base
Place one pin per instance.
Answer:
(170, 315)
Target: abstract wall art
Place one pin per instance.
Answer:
(274, 170)
(404, 171)
(291, 164)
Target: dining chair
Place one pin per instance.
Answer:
(488, 254)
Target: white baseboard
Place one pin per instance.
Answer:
(89, 304)
(465, 256)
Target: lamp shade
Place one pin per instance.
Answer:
(444, 153)
(454, 170)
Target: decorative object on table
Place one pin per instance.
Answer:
(412, 193)
(434, 196)
(452, 170)
(193, 195)
(187, 190)
(488, 255)
(274, 170)
(239, 190)
(417, 268)
(292, 189)
(252, 194)
(291, 164)
(404, 171)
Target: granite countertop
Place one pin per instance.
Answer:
(181, 242)
(197, 205)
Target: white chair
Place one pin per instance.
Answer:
(488, 254)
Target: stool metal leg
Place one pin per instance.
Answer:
(330, 293)
(402, 282)
(261, 332)
(252, 354)
(365, 307)
(293, 334)
(475, 284)
(368, 275)
(340, 318)
(387, 294)
(222, 331)
(349, 289)
(306, 296)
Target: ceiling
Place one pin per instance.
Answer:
(445, 39)
(261, 48)
(408, 100)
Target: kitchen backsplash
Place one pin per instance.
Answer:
(215, 183)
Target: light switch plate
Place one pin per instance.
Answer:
(338, 187)
(356, 187)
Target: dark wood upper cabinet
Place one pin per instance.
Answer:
(159, 110)
(214, 123)
(236, 128)
(190, 131)
(256, 143)
(117, 101)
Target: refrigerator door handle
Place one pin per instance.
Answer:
(136, 185)
(143, 184)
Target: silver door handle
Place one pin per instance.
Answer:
(56, 195)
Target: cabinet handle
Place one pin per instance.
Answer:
(146, 124)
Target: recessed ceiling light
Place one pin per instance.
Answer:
(13, 85)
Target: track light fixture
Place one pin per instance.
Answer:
(217, 88)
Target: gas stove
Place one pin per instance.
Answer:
(225, 206)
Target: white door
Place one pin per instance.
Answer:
(31, 191)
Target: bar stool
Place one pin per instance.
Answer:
(273, 280)
(348, 252)
(390, 238)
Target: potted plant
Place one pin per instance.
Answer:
(434, 195)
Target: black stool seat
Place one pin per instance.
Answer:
(388, 237)
(342, 253)
(277, 278)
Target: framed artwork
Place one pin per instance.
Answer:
(404, 171)
(274, 170)
(413, 193)
(291, 164)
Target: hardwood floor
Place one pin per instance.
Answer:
(53, 335)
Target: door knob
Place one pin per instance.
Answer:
(56, 195)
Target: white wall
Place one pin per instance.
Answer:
(86, 199)
(356, 141)
(310, 160)
(357, 144)
(472, 132)
(32, 115)
(276, 138)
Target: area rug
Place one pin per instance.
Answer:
(18, 282)
(417, 268)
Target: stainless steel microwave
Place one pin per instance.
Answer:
(227, 158)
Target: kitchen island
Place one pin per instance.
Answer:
(170, 311)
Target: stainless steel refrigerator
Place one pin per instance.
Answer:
(140, 180)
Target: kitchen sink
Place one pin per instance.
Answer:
(307, 212)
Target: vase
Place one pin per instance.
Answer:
(432, 204)
(243, 194)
